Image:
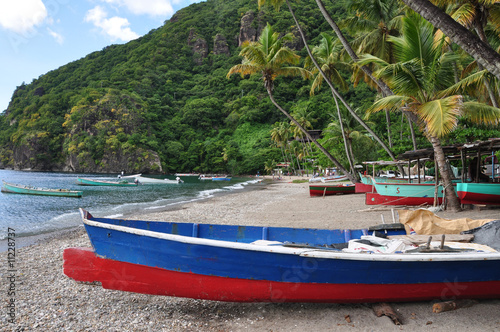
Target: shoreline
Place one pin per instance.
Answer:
(46, 299)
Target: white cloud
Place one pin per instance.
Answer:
(115, 27)
(149, 7)
(58, 37)
(22, 16)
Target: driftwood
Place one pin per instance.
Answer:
(452, 305)
(421, 239)
(384, 309)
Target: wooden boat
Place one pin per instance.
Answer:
(186, 174)
(221, 178)
(147, 180)
(97, 182)
(205, 177)
(403, 194)
(479, 193)
(274, 264)
(329, 179)
(322, 189)
(29, 190)
(133, 176)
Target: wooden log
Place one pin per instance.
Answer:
(452, 305)
(384, 309)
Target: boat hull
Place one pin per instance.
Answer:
(319, 189)
(29, 190)
(408, 189)
(364, 188)
(81, 264)
(479, 193)
(377, 199)
(91, 182)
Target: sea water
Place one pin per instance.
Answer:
(33, 214)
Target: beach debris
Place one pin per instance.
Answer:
(452, 305)
(347, 318)
(384, 309)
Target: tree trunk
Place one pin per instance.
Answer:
(451, 197)
(470, 43)
(322, 149)
(388, 121)
(349, 158)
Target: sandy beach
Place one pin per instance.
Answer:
(47, 300)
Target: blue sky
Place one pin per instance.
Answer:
(37, 36)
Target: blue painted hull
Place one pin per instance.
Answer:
(230, 254)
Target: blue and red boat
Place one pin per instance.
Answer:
(273, 264)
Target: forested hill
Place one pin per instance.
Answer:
(162, 103)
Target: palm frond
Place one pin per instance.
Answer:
(481, 113)
(391, 103)
(441, 115)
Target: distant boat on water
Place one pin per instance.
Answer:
(96, 182)
(146, 180)
(221, 178)
(30, 190)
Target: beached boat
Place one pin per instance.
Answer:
(403, 194)
(479, 193)
(146, 180)
(274, 264)
(99, 182)
(12, 188)
(322, 189)
(221, 178)
(329, 179)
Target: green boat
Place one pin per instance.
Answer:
(322, 189)
(29, 190)
(95, 182)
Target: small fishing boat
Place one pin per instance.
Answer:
(99, 182)
(276, 264)
(322, 189)
(30, 190)
(404, 194)
(205, 177)
(479, 193)
(329, 179)
(121, 176)
(148, 180)
(221, 178)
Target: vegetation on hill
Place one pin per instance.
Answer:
(163, 103)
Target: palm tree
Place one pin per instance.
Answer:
(277, 4)
(476, 14)
(327, 56)
(372, 23)
(270, 58)
(280, 134)
(419, 80)
(470, 43)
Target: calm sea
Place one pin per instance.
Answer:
(33, 215)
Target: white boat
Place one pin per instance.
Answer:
(205, 177)
(146, 180)
(121, 176)
(329, 178)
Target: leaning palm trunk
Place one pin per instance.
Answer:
(334, 91)
(386, 91)
(451, 197)
(349, 156)
(319, 146)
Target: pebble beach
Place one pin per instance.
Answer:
(47, 300)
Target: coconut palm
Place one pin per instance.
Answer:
(470, 43)
(419, 80)
(327, 56)
(277, 4)
(271, 59)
